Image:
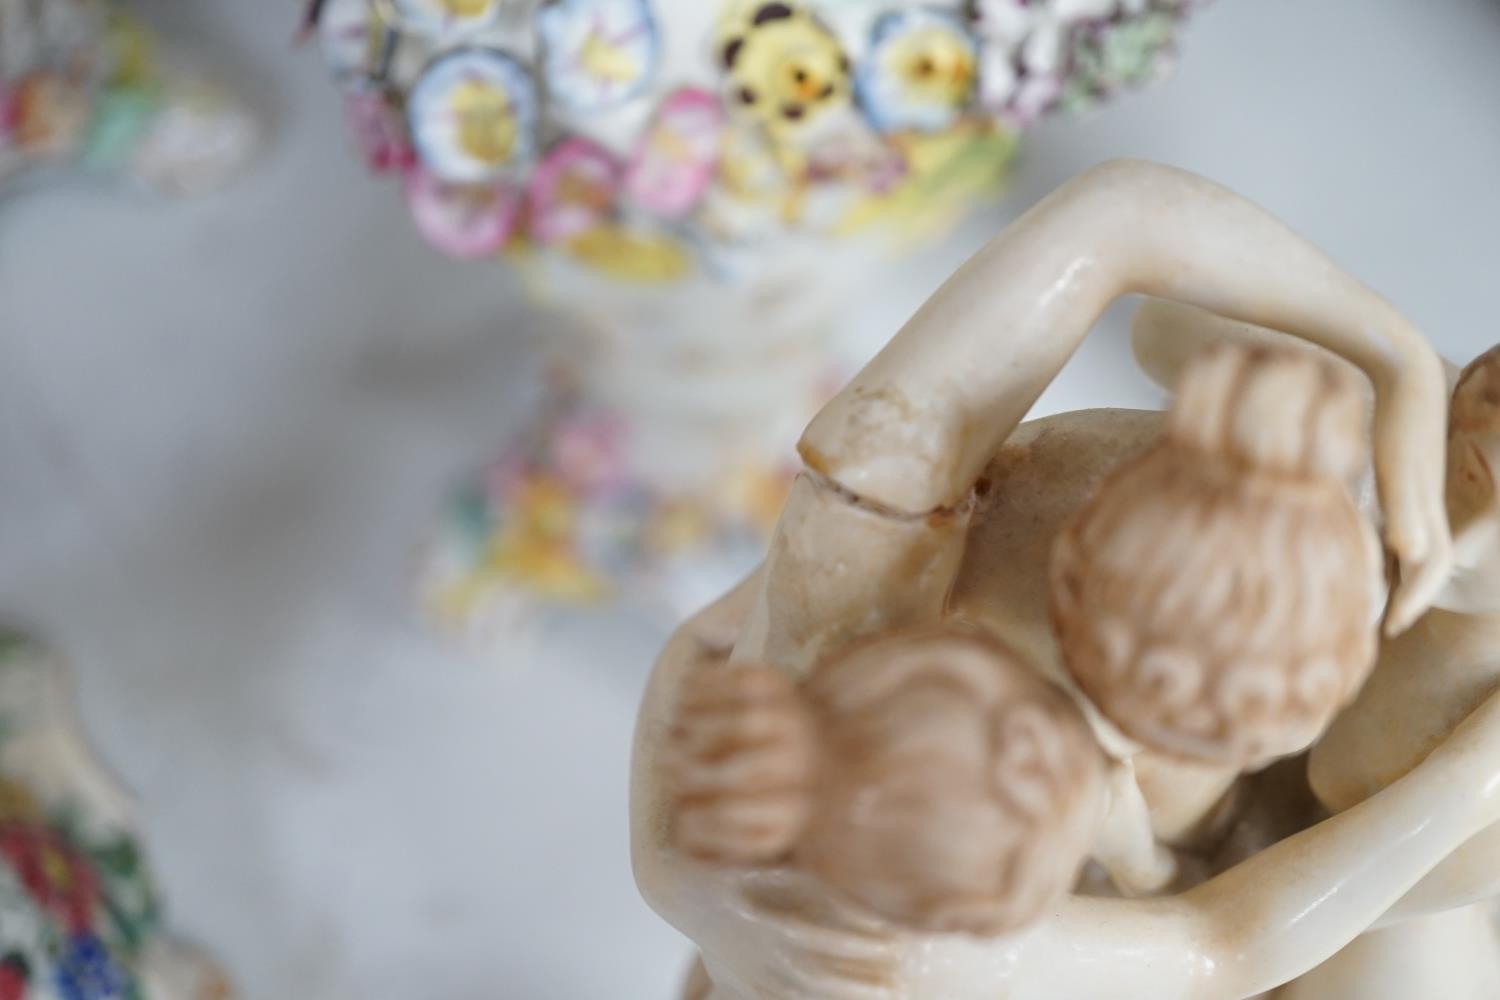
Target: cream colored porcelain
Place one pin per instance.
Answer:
(923, 503)
(1427, 680)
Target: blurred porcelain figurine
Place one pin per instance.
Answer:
(1100, 676)
(79, 916)
(83, 84)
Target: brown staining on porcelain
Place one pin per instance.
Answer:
(1202, 598)
(956, 790)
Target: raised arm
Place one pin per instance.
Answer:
(912, 433)
(1164, 337)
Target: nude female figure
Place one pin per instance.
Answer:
(878, 533)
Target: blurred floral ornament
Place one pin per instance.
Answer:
(597, 53)
(466, 221)
(702, 187)
(761, 120)
(379, 133)
(563, 518)
(473, 115)
(82, 83)
(446, 16)
(920, 72)
(79, 916)
(675, 158)
(572, 190)
(1035, 53)
(352, 38)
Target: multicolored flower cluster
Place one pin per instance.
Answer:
(561, 518)
(81, 82)
(570, 125)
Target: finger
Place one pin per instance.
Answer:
(859, 977)
(1419, 587)
(800, 979)
(815, 932)
(797, 908)
(1403, 534)
(833, 943)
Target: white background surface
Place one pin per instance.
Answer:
(223, 424)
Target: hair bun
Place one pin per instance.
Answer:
(1279, 410)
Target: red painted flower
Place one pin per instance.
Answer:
(57, 878)
(15, 975)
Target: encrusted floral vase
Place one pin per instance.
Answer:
(701, 186)
(79, 916)
(1200, 704)
(84, 84)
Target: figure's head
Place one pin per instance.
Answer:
(943, 784)
(783, 67)
(1472, 493)
(1217, 598)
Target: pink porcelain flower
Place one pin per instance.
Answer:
(675, 160)
(588, 451)
(467, 221)
(379, 131)
(573, 190)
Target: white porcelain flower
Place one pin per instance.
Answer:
(597, 53)
(1025, 46)
(473, 115)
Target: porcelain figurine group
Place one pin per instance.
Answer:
(1109, 704)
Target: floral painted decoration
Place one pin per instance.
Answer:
(79, 916)
(762, 118)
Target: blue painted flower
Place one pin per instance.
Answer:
(473, 115)
(919, 73)
(87, 971)
(598, 53)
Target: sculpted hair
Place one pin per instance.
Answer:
(1216, 599)
(1473, 415)
(955, 790)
